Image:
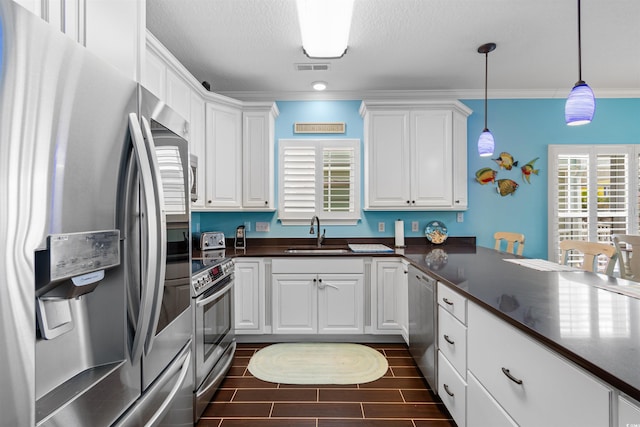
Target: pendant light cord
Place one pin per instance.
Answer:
(579, 46)
(486, 73)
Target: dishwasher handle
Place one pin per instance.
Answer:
(429, 281)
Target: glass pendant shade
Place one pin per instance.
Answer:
(486, 143)
(580, 105)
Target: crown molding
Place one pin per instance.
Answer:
(560, 93)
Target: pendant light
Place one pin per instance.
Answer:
(581, 104)
(486, 143)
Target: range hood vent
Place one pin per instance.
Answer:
(312, 67)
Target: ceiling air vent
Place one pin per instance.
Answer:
(312, 67)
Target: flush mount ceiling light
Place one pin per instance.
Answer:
(581, 104)
(319, 85)
(324, 26)
(486, 143)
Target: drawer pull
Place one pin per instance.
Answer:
(446, 301)
(449, 340)
(511, 377)
(446, 388)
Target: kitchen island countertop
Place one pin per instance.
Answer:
(595, 328)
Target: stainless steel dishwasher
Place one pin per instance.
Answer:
(423, 324)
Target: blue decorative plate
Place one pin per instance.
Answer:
(436, 232)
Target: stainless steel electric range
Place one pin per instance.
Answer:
(214, 343)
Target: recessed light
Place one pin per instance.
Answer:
(319, 85)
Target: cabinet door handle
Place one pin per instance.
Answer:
(446, 388)
(511, 377)
(408, 202)
(446, 301)
(322, 285)
(266, 202)
(449, 340)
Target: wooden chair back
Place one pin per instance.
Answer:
(511, 239)
(591, 251)
(629, 264)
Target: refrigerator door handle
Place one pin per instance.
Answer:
(164, 408)
(148, 272)
(161, 232)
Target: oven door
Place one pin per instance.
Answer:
(213, 327)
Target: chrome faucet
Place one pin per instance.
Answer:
(320, 238)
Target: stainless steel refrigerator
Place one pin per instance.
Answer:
(95, 315)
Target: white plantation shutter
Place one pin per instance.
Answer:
(338, 180)
(573, 212)
(612, 196)
(590, 189)
(299, 178)
(319, 177)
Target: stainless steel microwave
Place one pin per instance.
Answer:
(193, 177)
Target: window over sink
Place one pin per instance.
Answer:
(319, 177)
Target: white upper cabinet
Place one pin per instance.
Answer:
(233, 140)
(112, 30)
(258, 129)
(178, 95)
(155, 74)
(223, 161)
(197, 145)
(415, 155)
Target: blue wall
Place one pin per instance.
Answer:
(524, 128)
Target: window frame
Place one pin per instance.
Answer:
(320, 145)
(632, 151)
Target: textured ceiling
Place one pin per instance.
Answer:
(248, 48)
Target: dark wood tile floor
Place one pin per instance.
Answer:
(399, 399)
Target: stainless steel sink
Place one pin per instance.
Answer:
(317, 251)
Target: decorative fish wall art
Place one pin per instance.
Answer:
(528, 169)
(486, 175)
(505, 161)
(506, 187)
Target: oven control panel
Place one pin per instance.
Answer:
(210, 275)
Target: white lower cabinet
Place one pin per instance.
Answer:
(390, 297)
(452, 341)
(249, 293)
(452, 389)
(306, 301)
(482, 409)
(452, 302)
(452, 352)
(535, 386)
(628, 412)
(295, 304)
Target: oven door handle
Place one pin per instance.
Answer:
(215, 296)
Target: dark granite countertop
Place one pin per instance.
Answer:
(597, 329)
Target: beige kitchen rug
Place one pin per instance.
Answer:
(318, 363)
